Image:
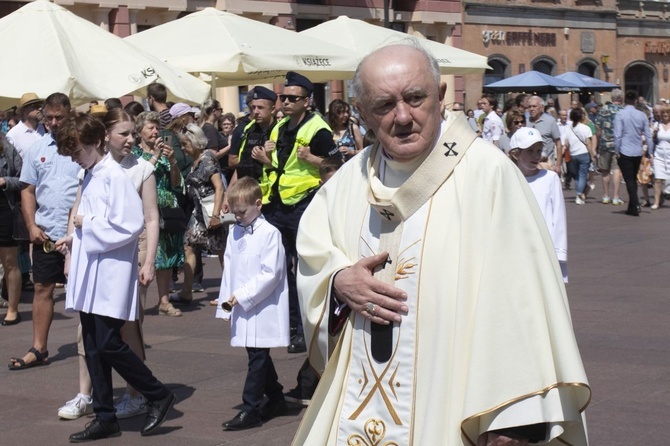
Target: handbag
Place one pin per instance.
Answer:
(207, 206)
(172, 219)
(644, 173)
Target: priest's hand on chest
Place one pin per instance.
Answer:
(380, 302)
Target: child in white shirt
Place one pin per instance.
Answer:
(254, 295)
(526, 151)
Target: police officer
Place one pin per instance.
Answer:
(292, 156)
(255, 134)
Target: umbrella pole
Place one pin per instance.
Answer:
(213, 85)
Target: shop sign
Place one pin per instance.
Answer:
(657, 48)
(515, 38)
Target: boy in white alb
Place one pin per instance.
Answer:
(254, 295)
(526, 151)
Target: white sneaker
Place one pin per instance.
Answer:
(578, 200)
(77, 407)
(128, 406)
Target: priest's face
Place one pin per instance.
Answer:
(120, 139)
(400, 101)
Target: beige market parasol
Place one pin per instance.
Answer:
(361, 38)
(238, 50)
(47, 49)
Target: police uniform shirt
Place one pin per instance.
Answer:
(321, 145)
(255, 136)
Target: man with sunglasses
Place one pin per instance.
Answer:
(296, 147)
(30, 129)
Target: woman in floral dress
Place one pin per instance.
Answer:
(170, 251)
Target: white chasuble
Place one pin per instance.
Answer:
(488, 340)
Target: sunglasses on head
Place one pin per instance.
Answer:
(290, 97)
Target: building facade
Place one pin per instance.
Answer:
(436, 20)
(624, 42)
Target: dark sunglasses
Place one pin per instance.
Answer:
(518, 122)
(291, 97)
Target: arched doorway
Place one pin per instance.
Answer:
(544, 65)
(641, 77)
(587, 67)
(499, 69)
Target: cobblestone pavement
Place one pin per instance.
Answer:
(618, 267)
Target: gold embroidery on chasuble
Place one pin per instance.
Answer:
(375, 430)
(378, 396)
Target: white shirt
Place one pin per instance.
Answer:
(548, 191)
(137, 169)
(493, 127)
(22, 137)
(563, 128)
(576, 138)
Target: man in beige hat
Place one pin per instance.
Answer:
(30, 129)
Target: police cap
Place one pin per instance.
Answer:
(298, 80)
(263, 93)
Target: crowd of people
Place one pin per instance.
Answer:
(332, 231)
(62, 197)
(583, 140)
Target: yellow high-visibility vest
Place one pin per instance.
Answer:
(298, 177)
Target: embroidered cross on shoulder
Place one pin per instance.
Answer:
(387, 214)
(450, 149)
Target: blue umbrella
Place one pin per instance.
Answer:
(531, 82)
(587, 82)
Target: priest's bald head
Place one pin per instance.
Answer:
(400, 95)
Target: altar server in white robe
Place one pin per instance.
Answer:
(526, 152)
(103, 277)
(255, 287)
(433, 299)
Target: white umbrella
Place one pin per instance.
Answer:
(361, 38)
(47, 49)
(237, 50)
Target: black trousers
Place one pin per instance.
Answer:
(105, 350)
(261, 380)
(629, 166)
(286, 219)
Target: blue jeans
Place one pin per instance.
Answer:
(581, 166)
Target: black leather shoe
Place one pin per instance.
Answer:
(273, 409)
(156, 413)
(96, 430)
(633, 212)
(241, 421)
(297, 345)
